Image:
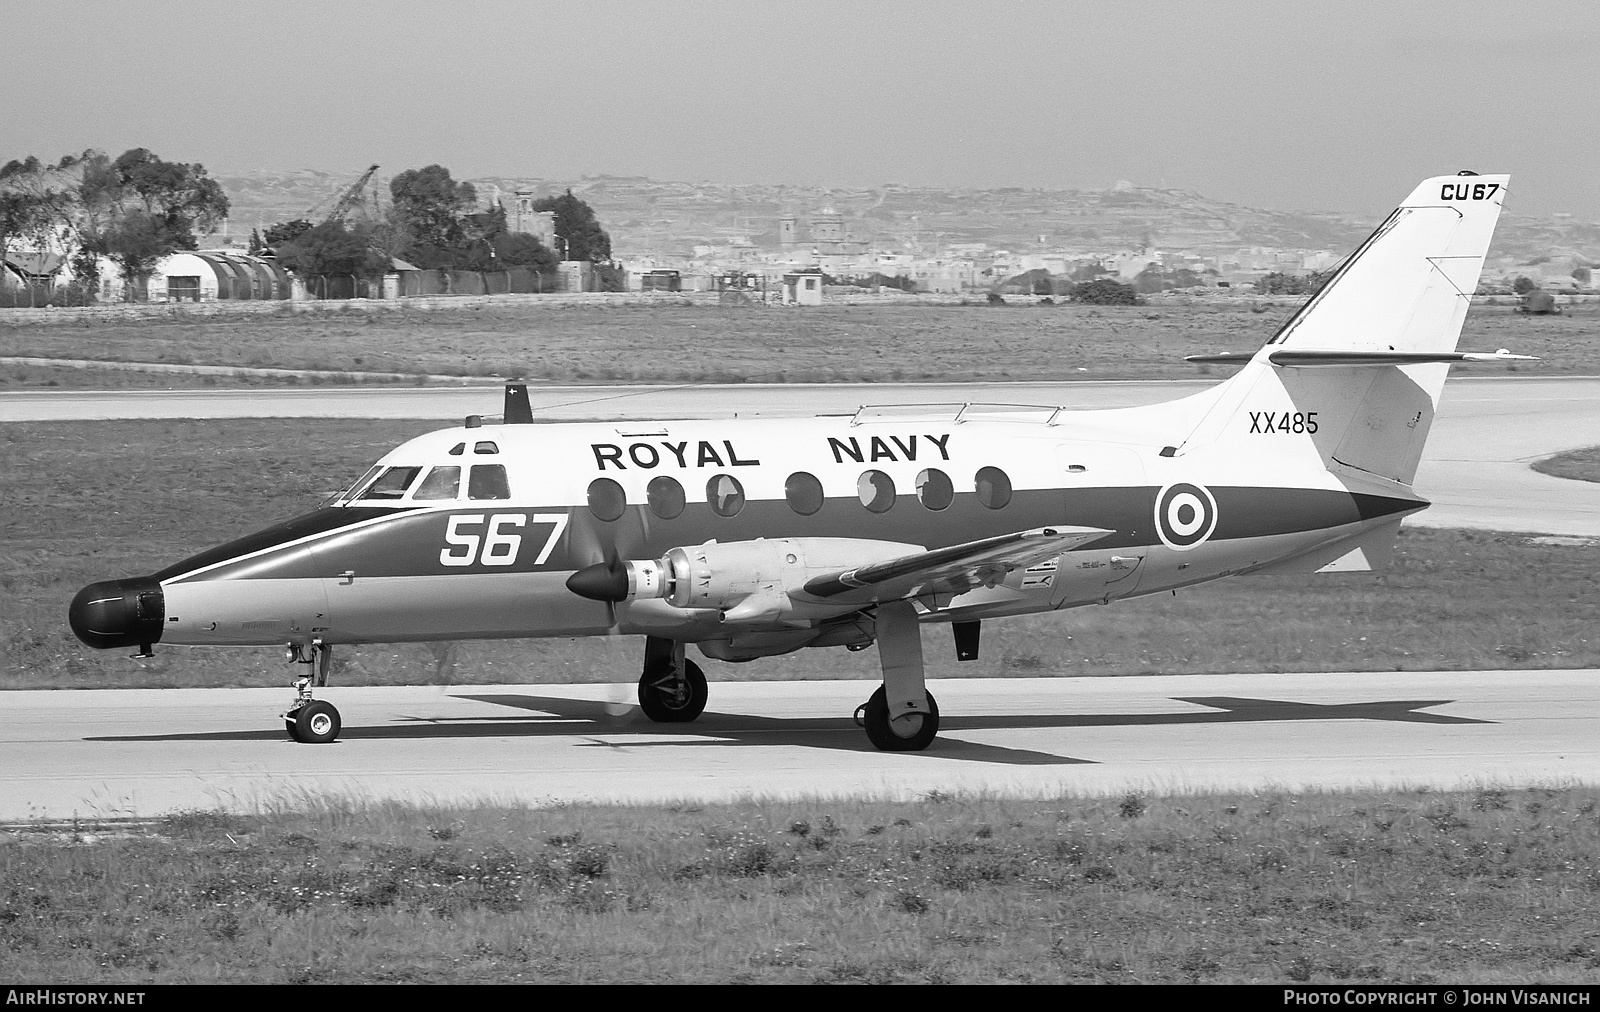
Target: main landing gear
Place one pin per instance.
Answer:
(902, 715)
(308, 720)
(672, 689)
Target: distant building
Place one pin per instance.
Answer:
(521, 217)
(829, 237)
(208, 275)
(827, 227)
(576, 276)
(802, 289)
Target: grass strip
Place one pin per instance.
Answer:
(1490, 886)
(1579, 465)
(696, 344)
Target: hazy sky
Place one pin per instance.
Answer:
(1326, 106)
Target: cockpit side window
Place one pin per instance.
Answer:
(392, 483)
(488, 481)
(441, 483)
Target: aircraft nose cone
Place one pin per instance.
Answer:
(603, 581)
(119, 613)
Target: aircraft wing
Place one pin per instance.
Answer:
(957, 568)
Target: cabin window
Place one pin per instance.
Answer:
(441, 483)
(458, 449)
(876, 491)
(994, 488)
(607, 501)
(392, 484)
(934, 489)
(725, 495)
(804, 493)
(665, 497)
(487, 446)
(488, 481)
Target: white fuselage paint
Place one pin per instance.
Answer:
(472, 568)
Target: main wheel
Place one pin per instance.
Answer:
(316, 723)
(911, 733)
(668, 700)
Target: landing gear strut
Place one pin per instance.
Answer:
(672, 689)
(902, 715)
(308, 720)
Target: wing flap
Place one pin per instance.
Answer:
(957, 567)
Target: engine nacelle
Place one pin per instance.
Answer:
(755, 581)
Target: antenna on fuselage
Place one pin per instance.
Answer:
(518, 411)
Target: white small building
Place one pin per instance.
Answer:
(802, 289)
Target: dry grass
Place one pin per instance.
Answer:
(89, 501)
(683, 343)
(1494, 886)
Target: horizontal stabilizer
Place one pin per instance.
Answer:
(959, 567)
(1301, 358)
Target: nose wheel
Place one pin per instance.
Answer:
(308, 720)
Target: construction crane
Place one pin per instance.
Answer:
(347, 199)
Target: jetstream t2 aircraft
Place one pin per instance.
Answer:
(752, 538)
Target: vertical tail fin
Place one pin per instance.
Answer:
(1356, 372)
(1408, 287)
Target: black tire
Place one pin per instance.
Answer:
(316, 723)
(875, 717)
(663, 705)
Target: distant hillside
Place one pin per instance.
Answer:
(653, 217)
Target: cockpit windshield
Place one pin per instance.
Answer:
(351, 490)
(391, 484)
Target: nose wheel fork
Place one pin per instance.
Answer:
(309, 720)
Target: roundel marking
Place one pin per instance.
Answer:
(1185, 515)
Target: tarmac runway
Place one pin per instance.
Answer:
(1488, 430)
(139, 753)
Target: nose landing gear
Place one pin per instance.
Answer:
(311, 721)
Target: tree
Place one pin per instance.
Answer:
(182, 194)
(518, 249)
(1105, 292)
(140, 208)
(330, 248)
(1523, 285)
(136, 243)
(36, 203)
(286, 231)
(427, 206)
(577, 227)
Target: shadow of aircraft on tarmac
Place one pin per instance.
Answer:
(625, 727)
